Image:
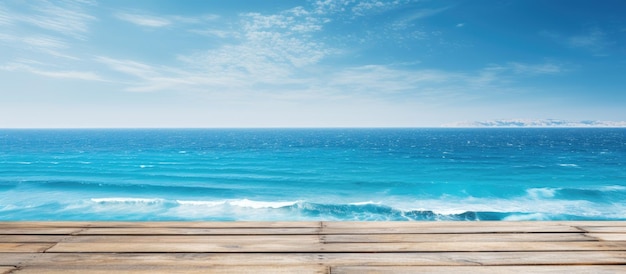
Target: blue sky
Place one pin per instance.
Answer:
(326, 63)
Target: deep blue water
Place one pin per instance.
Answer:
(313, 174)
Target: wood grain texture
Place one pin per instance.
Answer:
(313, 247)
(610, 269)
(6, 269)
(24, 247)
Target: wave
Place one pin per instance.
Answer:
(98, 201)
(127, 200)
(443, 209)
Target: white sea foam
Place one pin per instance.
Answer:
(613, 188)
(201, 203)
(125, 200)
(568, 165)
(541, 193)
(243, 203)
(259, 204)
(366, 203)
(528, 217)
(532, 203)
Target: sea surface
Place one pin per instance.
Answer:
(313, 174)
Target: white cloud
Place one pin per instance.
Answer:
(133, 68)
(144, 20)
(594, 40)
(547, 68)
(47, 42)
(277, 55)
(5, 17)
(537, 123)
(354, 7)
(65, 17)
(67, 74)
(460, 25)
(214, 32)
(39, 44)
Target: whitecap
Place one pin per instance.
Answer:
(527, 217)
(365, 203)
(260, 204)
(200, 203)
(539, 193)
(123, 200)
(613, 188)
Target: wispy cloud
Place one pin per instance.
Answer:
(5, 17)
(356, 8)
(278, 54)
(28, 66)
(39, 44)
(144, 20)
(47, 42)
(594, 40)
(65, 17)
(546, 68)
(153, 21)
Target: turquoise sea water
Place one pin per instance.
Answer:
(313, 174)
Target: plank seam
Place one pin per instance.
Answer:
(582, 229)
(72, 234)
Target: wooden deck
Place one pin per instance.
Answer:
(312, 247)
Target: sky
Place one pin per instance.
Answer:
(309, 63)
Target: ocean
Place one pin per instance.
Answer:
(421, 174)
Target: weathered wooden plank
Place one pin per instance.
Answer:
(608, 236)
(605, 269)
(475, 258)
(187, 247)
(331, 259)
(604, 229)
(31, 238)
(68, 260)
(13, 259)
(198, 231)
(473, 246)
(238, 224)
(459, 237)
(38, 231)
(104, 269)
(184, 239)
(6, 269)
(415, 228)
(126, 247)
(24, 247)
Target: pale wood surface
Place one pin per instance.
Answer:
(6, 269)
(493, 269)
(313, 247)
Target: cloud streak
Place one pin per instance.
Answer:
(144, 20)
(69, 18)
(64, 74)
(152, 21)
